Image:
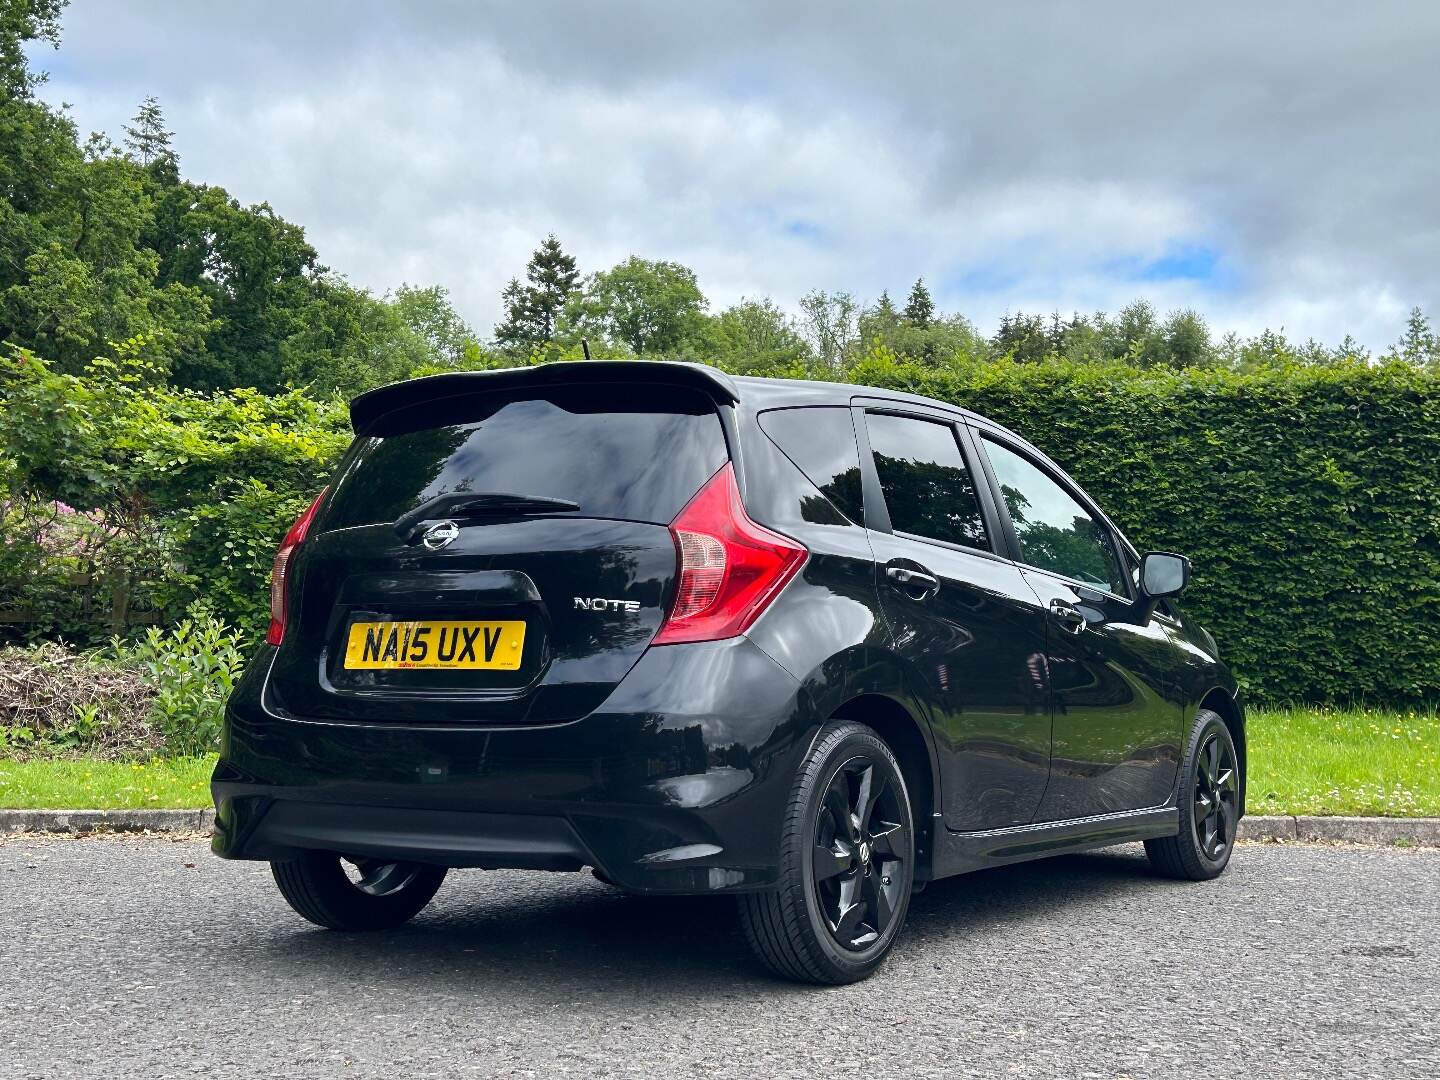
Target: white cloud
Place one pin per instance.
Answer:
(1035, 157)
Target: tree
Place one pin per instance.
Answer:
(149, 142)
(429, 315)
(829, 325)
(1022, 337)
(531, 311)
(947, 340)
(263, 280)
(1186, 340)
(23, 21)
(754, 337)
(919, 308)
(1418, 345)
(878, 325)
(652, 307)
(1137, 334)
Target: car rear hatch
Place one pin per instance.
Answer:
(493, 550)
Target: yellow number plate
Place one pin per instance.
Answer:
(429, 644)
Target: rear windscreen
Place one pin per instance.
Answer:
(627, 452)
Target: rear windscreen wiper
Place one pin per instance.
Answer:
(458, 504)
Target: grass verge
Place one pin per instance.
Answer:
(165, 783)
(1358, 761)
(1365, 762)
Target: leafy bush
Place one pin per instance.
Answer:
(192, 669)
(184, 495)
(1308, 497)
(162, 694)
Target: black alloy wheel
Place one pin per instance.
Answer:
(1209, 803)
(847, 855)
(375, 877)
(861, 845)
(1216, 797)
(355, 893)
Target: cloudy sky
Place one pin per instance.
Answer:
(1268, 164)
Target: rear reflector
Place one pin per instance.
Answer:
(279, 573)
(730, 567)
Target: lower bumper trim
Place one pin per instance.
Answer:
(443, 837)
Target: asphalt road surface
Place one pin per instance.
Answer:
(149, 958)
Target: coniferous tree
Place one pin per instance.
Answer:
(1419, 344)
(146, 136)
(531, 309)
(1023, 337)
(149, 143)
(919, 308)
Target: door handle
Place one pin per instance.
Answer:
(910, 580)
(1069, 617)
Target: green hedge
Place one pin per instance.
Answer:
(1308, 498)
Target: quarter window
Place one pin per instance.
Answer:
(928, 490)
(1055, 532)
(821, 443)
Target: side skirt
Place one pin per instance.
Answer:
(963, 852)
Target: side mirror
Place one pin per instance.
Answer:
(1163, 574)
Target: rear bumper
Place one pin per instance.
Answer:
(676, 784)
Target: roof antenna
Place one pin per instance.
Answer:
(585, 347)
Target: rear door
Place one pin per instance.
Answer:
(546, 585)
(1117, 719)
(962, 616)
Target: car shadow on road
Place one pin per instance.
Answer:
(565, 934)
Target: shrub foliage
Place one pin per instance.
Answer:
(1308, 496)
(172, 494)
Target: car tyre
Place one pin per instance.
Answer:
(379, 896)
(1209, 803)
(847, 864)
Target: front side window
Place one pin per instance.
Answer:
(928, 490)
(1055, 532)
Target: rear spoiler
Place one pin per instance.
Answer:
(370, 406)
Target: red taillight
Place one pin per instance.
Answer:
(278, 584)
(730, 567)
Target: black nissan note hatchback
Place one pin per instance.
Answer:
(814, 645)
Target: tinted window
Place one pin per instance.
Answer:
(821, 443)
(620, 452)
(1055, 532)
(927, 487)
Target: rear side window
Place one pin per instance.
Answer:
(627, 452)
(928, 490)
(821, 443)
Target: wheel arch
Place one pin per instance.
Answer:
(1218, 700)
(907, 737)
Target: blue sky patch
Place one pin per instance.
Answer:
(1192, 262)
(804, 230)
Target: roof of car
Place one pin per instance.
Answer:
(750, 391)
(768, 393)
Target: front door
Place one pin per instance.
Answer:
(965, 621)
(1117, 724)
